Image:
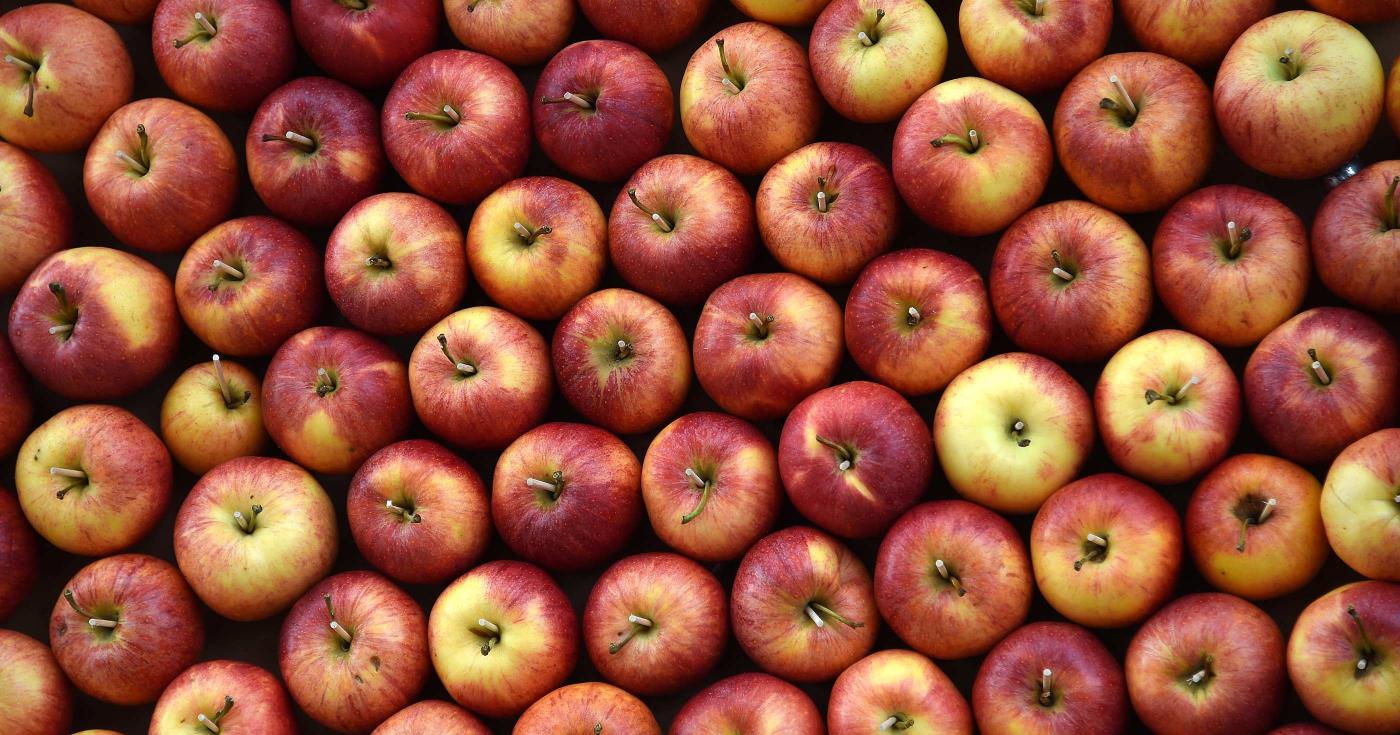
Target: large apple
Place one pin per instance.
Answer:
(654, 26)
(1342, 657)
(19, 557)
(366, 42)
(213, 413)
(16, 402)
(896, 691)
(236, 697)
(429, 716)
(35, 219)
(753, 704)
(223, 55)
(1361, 505)
(1034, 46)
(518, 32)
(1356, 239)
(590, 708)
(1191, 32)
(872, 58)
(35, 698)
(1050, 679)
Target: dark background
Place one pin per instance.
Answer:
(257, 642)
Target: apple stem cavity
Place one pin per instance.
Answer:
(1095, 552)
(761, 323)
(873, 37)
(529, 235)
(304, 143)
(1392, 217)
(816, 611)
(228, 270)
(464, 368)
(361, 4)
(968, 144)
(1201, 674)
(325, 382)
(1058, 269)
(952, 578)
(1318, 369)
(1290, 65)
(404, 513)
(704, 487)
(32, 83)
(1017, 427)
(488, 630)
(844, 458)
(914, 317)
(248, 523)
(732, 83)
(92, 620)
(1238, 237)
(583, 102)
(212, 723)
(661, 222)
(624, 349)
(555, 488)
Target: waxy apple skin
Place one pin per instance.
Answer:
(1086, 684)
(251, 52)
(19, 558)
(35, 219)
(900, 684)
(654, 26)
(1360, 509)
(260, 706)
(1327, 647)
(367, 46)
(876, 83)
(1194, 33)
(120, 12)
(1359, 11)
(518, 32)
(38, 699)
(584, 709)
(201, 428)
(1356, 239)
(1031, 54)
(432, 715)
(752, 703)
(16, 403)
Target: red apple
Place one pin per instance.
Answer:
(1359, 11)
(366, 43)
(1303, 728)
(34, 697)
(19, 557)
(1361, 503)
(753, 704)
(122, 12)
(212, 414)
(1342, 657)
(16, 403)
(654, 26)
(518, 32)
(1034, 46)
(432, 715)
(1356, 239)
(896, 691)
(1050, 679)
(223, 55)
(589, 708)
(872, 58)
(238, 698)
(35, 219)
(1193, 33)
(1392, 99)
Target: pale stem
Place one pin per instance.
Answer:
(299, 139)
(132, 163)
(656, 217)
(1361, 664)
(65, 472)
(242, 521)
(537, 484)
(219, 378)
(1019, 426)
(21, 63)
(1097, 540)
(729, 85)
(1318, 369)
(821, 201)
(452, 113)
(1040, 7)
(914, 316)
(695, 479)
(1045, 678)
(624, 349)
(639, 620)
(228, 270)
(487, 624)
(661, 222)
(207, 723)
(579, 100)
(844, 465)
(1234, 231)
(1123, 91)
(1289, 65)
(341, 631)
(1197, 677)
(941, 567)
(816, 619)
(972, 138)
(60, 329)
(206, 25)
(414, 517)
(1267, 509)
(1057, 270)
(522, 230)
(1195, 380)
(865, 39)
(465, 369)
(887, 724)
(100, 623)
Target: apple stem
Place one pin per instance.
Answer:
(1290, 66)
(1040, 7)
(93, 621)
(302, 142)
(1238, 238)
(704, 487)
(1368, 649)
(817, 607)
(760, 323)
(665, 224)
(21, 63)
(132, 163)
(361, 4)
(212, 723)
(914, 317)
(1097, 553)
(1016, 428)
(636, 625)
(529, 235)
(581, 101)
(487, 624)
(816, 619)
(825, 198)
(865, 39)
(1202, 673)
(206, 29)
(463, 367)
(1128, 109)
(1268, 509)
(1047, 695)
(555, 489)
(449, 116)
(1318, 369)
(248, 523)
(952, 579)
(970, 144)
(32, 83)
(1392, 217)
(1058, 270)
(888, 723)
(624, 349)
(1180, 394)
(490, 631)
(223, 384)
(734, 86)
(65, 472)
(325, 384)
(844, 458)
(205, 24)
(1097, 540)
(228, 270)
(822, 205)
(403, 512)
(451, 113)
(335, 626)
(873, 37)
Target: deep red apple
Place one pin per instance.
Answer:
(223, 55)
(16, 402)
(753, 704)
(1356, 239)
(19, 557)
(654, 26)
(366, 42)
(1050, 679)
(35, 219)
(1342, 657)
(238, 698)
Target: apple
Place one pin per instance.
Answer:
(19, 558)
(1231, 264)
(753, 704)
(952, 578)
(518, 32)
(480, 378)
(896, 690)
(418, 512)
(537, 245)
(1392, 99)
(395, 264)
(213, 413)
(1356, 239)
(16, 403)
(679, 228)
(254, 534)
(222, 55)
(655, 623)
(432, 715)
(601, 109)
(872, 58)
(65, 73)
(766, 341)
(121, 12)
(236, 697)
(710, 484)
(354, 650)
(1207, 662)
(93, 480)
(621, 360)
(34, 696)
(1034, 46)
(1012, 429)
(366, 43)
(566, 496)
(1322, 380)
(654, 26)
(159, 174)
(589, 708)
(747, 97)
(1071, 281)
(1254, 528)
(271, 288)
(1342, 657)
(915, 318)
(456, 123)
(313, 150)
(334, 396)
(949, 171)
(1298, 94)
(502, 636)
(124, 627)
(1193, 33)
(807, 230)
(1359, 11)
(802, 606)
(1361, 503)
(129, 327)
(782, 12)
(1050, 679)
(35, 219)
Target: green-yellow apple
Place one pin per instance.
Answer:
(782, 12)
(19, 555)
(35, 219)
(1189, 31)
(1361, 505)
(223, 55)
(432, 715)
(1344, 658)
(654, 26)
(872, 58)
(211, 414)
(896, 691)
(1356, 239)
(753, 704)
(590, 708)
(237, 697)
(35, 698)
(1034, 46)
(518, 32)
(1050, 679)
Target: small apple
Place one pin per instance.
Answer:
(872, 58)
(35, 219)
(896, 691)
(1050, 679)
(1359, 11)
(753, 704)
(366, 43)
(213, 413)
(35, 698)
(238, 698)
(782, 12)
(518, 32)
(432, 716)
(1356, 239)
(654, 26)
(1361, 505)
(1342, 657)
(19, 559)
(120, 12)
(1034, 46)
(222, 55)
(16, 403)
(590, 708)
(1191, 32)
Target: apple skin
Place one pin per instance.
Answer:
(751, 703)
(1359, 505)
(586, 709)
(448, 521)
(542, 279)
(368, 46)
(712, 229)
(1392, 99)
(1033, 54)
(1088, 696)
(85, 75)
(1327, 646)
(1086, 318)
(1237, 644)
(1262, 114)
(120, 12)
(876, 83)
(426, 271)
(354, 686)
(689, 613)
(976, 545)
(201, 428)
(1356, 239)
(280, 293)
(782, 12)
(35, 219)
(129, 324)
(950, 333)
(740, 466)
(781, 112)
(1231, 301)
(1194, 33)
(16, 403)
(654, 26)
(507, 394)
(260, 703)
(37, 698)
(1280, 555)
(970, 194)
(536, 648)
(591, 518)
(629, 118)
(1359, 11)
(1129, 577)
(124, 494)
(345, 164)
(518, 32)
(779, 579)
(332, 426)
(1300, 417)
(456, 163)
(977, 444)
(19, 559)
(251, 54)
(432, 715)
(246, 576)
(762, 372)
(624, 393)
(1304, 728)
(900, 684)
(158, 632)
